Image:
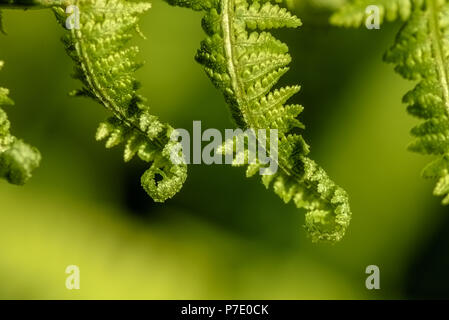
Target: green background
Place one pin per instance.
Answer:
(223, 236)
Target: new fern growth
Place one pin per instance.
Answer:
(421, 53)
(105, 64)
(245, 62)
(17, 159)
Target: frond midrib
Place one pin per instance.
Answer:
(437, 50)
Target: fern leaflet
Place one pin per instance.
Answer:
(245, 62)
(17, 159)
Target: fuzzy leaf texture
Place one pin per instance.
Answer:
(106, 64)
(245, 62)
(353, 13)
(17, 159)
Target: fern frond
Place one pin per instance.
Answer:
(421, 52)
(17, 159)
(245, 63)
(105, 64)
(353, 14)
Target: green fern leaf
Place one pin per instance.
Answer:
(105, 64)
(17, 159)
(353, 13)
(421, 53)
(245, 63)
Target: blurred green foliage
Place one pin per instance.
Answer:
(223, 236)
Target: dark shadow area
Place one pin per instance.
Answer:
(427, 274)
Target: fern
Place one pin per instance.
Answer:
(421, 53)
(353, 13)
(105, 65)
(17, 159)
(245, 63)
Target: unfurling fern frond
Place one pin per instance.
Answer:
(354, 14)
(106, 66)
(17, 159)
(245, 62)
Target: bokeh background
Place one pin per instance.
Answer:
(223, 236)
